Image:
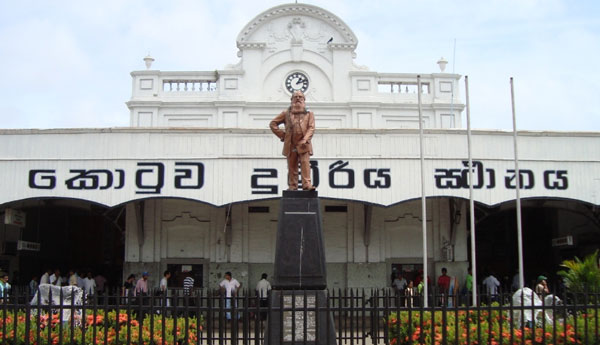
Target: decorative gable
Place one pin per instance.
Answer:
(297, 27)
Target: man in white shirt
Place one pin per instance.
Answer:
(262, 291)
(491, 284)
(229, 286)
(89, 285)
(45, 278)
(263, 287)
(163, 286)
(55, 278)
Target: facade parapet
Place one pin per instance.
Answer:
(221, 99)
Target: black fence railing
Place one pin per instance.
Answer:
(360, 316)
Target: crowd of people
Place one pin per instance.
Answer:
(448, 291)
(408, 289)
(89, 283)
(132, 286)
(228, 287)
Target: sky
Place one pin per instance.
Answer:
(66, 64)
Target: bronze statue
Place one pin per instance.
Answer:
(297, 146)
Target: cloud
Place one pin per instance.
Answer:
(67, 63)
(40, 53)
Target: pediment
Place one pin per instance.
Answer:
(297, 24)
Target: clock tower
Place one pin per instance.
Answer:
(297, 47)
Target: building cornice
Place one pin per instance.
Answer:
(322, 131)
(188, 74)
(281, 105)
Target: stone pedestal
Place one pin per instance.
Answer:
(299, 252)
(298, 316)
(299, 299)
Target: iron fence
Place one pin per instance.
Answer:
(360, 316)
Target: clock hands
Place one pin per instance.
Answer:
(297, 82)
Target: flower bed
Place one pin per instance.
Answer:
(488, 327)
(115, 328)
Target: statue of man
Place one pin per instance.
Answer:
(297, 146)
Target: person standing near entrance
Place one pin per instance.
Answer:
(163, 287)
(55, 278)
(33, 286)
(229, 287)
(297, 136)
(141, 287)
(89, 285)
(443, 284)
(4, 286)
(262, 291)
(399, 284)
(73, 281)
(491, 284)
(188, 283)
(542, 287)
(100, 283)
(409, 293)
(467, 290)
(45, 278)
(128, 288)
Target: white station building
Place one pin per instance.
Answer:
(195, 181)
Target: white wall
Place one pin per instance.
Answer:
(180, 230)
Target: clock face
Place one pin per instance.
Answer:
(296, 81)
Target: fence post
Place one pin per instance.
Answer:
(209, 316)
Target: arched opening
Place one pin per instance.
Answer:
(553, 230)
(64, 234)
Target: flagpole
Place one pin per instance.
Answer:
(518, 186)
(471, 201)
(423, 199)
